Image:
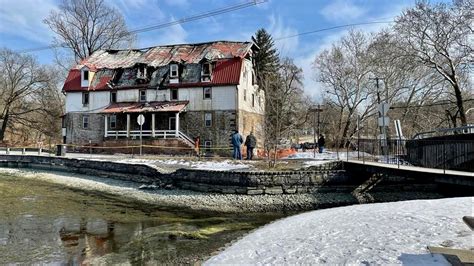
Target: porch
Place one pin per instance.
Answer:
(162, 121)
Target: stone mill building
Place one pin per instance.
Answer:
(184, 91)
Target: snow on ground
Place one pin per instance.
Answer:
(225, 165)
(327, 155)
(382, 233)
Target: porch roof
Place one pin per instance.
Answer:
(149, 107)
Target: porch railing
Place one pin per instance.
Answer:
(164, 134)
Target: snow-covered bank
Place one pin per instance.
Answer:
(382, 233)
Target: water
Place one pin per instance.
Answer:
(45, 223)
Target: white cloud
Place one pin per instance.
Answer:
(24, 19)
(342, 10)
(278, 30)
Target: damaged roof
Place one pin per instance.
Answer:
(117, 69)
(166, 54)
(150, 107)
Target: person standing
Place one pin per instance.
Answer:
(321, 143)
(236, 143)
(251, 143)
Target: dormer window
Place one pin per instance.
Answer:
(206, 71)
(173, 71)
(141, 72)
(85, 77)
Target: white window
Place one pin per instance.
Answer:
(173, 71)
(142, 95)
(85, 98)
(174, 94)
(85, 77)
(253, 100)
(245, 95)
(207, 92)
(85, 121)
(113, 96)
(113, 121)
(208, 119)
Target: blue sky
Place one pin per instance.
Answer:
(21, 24)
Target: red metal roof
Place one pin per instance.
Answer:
(150, 107)
(73, 81)
(226, 72)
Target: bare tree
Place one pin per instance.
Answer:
(22, 82)
(345, 70)
(404, 83)
(286, 106)
(440, 37)
(85, 26)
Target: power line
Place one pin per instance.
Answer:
(428, 105)
(203, 15)
(200, 16)
(332, 28)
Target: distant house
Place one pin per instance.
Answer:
(184, 91)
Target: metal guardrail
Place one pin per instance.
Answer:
(456, 154)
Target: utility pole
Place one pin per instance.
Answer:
(382, 118)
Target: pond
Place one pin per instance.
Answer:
(45, 223)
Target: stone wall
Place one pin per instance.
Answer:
(328, 177)
(76, 134)
(254, 122)
(223, 125)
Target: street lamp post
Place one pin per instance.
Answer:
(315, 110)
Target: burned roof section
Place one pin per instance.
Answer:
(164, 55)
(204, 64)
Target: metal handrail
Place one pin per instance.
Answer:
(459, 130)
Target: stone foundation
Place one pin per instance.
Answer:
(76, 134)
(252, 122)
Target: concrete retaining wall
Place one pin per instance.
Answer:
(325, 177)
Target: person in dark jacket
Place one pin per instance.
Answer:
(321, 143)
(236, 143)
(251, 143)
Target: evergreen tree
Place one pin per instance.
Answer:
(266, 59)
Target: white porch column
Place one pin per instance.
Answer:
(153, 125)
(128, 125)
(177, 125)
(105, 125)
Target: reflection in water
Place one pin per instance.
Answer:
(44, 223)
